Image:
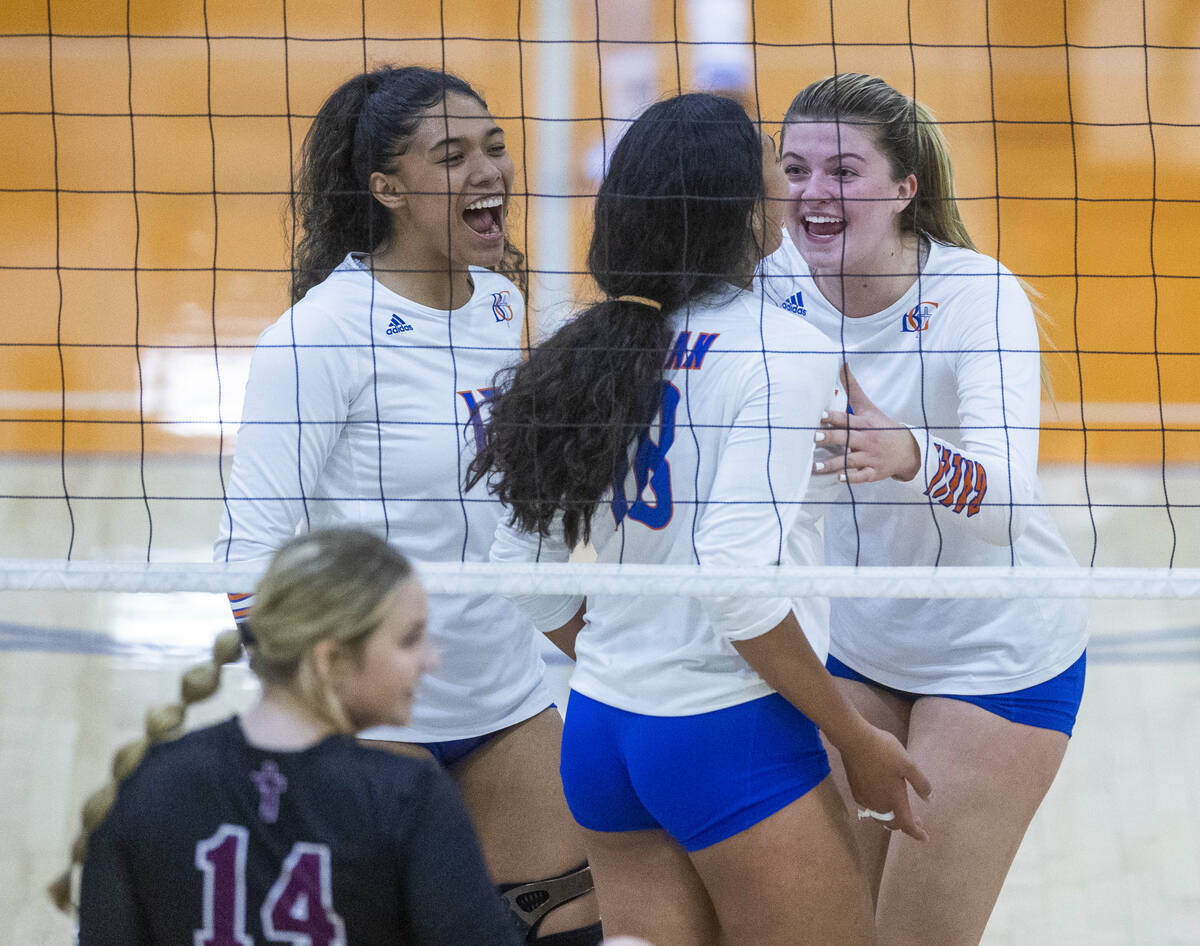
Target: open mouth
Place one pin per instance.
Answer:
(485, 216)
(823, 225)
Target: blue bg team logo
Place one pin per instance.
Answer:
(918, 317)
(500, 307)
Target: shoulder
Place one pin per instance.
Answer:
(981, 281)
(955, 262)
(406, 777)
(492, 280)
(775, 329)
(759, 345)
(402, 793)
(973, 301)
(498, 294)
(198, 745)
(487, 281)
(327, 311)
(171, 765)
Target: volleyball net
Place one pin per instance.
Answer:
(147, 243)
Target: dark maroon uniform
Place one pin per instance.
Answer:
(212, 842)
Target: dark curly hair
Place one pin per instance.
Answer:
(673, 222)
(362, 128)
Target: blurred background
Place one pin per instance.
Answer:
(145, 243)
(149, 148)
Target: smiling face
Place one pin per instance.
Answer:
(844, 215)
(376, 685)
(448, 193)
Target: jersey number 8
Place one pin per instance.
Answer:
(650, 469)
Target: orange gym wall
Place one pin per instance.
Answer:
(140, 256)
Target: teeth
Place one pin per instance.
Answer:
(814, 219)
(484, 202)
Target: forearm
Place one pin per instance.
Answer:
(549, 613)
(877, 767)
(786, 661)
(983, 476)
(990, 493)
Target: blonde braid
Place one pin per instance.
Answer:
(163, 723)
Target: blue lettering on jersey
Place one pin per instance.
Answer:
(650, 468)
(397, 325)
(918, 317)
(500, 307)
(795, 304)
(475, 411)
(680, 357)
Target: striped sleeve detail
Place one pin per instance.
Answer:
(240, 603)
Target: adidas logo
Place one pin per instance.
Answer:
(398, 325)
(795, 304)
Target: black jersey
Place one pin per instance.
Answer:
(213, 842)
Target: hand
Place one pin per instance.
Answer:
(879, 771)
(864, 446)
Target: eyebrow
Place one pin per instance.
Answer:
(457, 141)
(837, 157)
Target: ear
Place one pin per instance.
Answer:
(906, 190)
(387, 190)
(757, 217)
(325, 654)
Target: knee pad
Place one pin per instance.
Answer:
(531, 901)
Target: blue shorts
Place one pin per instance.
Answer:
(1050, 705)
(700, 778)
(449, 751)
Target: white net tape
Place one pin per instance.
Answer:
(648, 580)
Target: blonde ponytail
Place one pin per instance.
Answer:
(163, 723)
(332, 584)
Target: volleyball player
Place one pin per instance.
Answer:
(672, 422)
(362, 407)
(939, 457)
(275, 825)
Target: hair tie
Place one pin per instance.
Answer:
(641, 300)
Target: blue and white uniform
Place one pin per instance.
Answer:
(957, 360)
(717, 479)
(723, 470)
(358, 412)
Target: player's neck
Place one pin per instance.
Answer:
(281, 721)
(891, 274)
(424, 282)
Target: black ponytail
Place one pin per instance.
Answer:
(672, 223)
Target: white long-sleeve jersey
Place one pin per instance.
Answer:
(718, 479)
(358, 412)
(957, 360)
